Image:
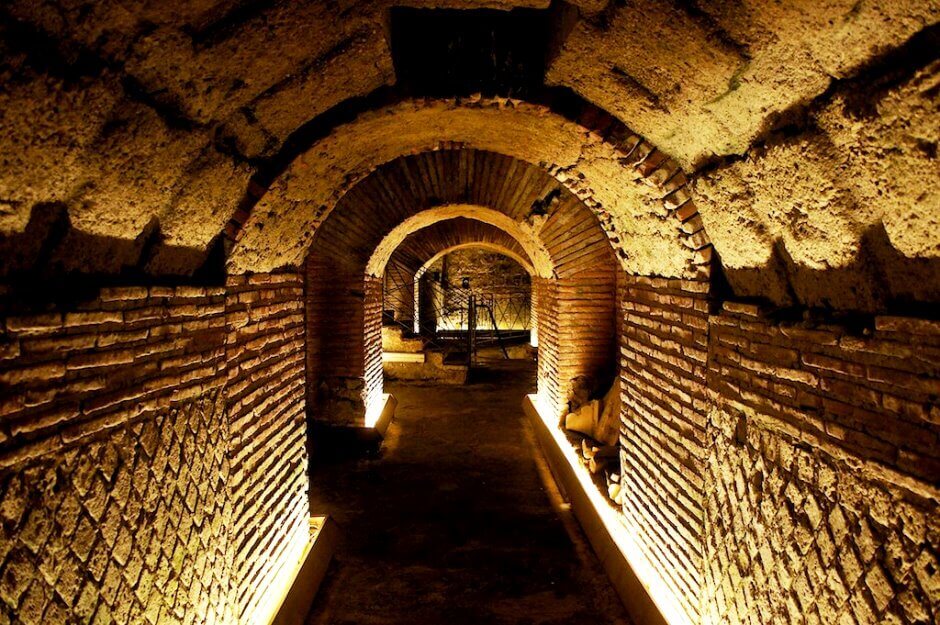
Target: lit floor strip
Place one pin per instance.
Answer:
(669, 611)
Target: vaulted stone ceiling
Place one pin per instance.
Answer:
(133, 132)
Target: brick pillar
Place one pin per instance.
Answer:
(546, 291)
(585, 330)
(372, 343)
(534, 315)
(266, 415)
(576, 317)
(336, 348)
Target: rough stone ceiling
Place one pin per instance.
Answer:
(707, 78)
(139, 127)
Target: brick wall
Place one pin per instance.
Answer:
(373, 376)
(533, 314)
(335, 304)
(780, 471)
(585, 328)
(139, 432)
(576, 333)
(871, 392)
(267, 421)
(114, 460)
(546, 293)
(822, 478)
(663, 350)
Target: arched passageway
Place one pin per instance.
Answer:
(729, 207)
(452, 523)
(573, 262)
(422, 248)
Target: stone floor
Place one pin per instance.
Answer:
(452, 523)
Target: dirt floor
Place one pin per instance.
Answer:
(452, 523)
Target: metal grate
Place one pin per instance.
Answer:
(457, 320)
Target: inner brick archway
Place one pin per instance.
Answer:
(638, 194)
(423, 247)
(568, 250)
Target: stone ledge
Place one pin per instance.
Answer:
(296, 596)
(411, 357)
(334, 439)
(384, 417)
(644, 595)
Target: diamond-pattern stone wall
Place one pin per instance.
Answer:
(799, 535)
(152, 453)
(129, 528)
(822, 503)
(113, 461)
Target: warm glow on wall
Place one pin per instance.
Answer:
(374, 409)
(630, 548)
(270, 600)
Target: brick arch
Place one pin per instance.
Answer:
(540, 211)
(639, 194)
(420, 249)
(537, 257)
(573, 259)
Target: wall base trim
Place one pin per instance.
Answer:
(331, 440)
(634, 579)
(297, 595)
(384, 418)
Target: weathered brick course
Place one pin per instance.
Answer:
(663, 352)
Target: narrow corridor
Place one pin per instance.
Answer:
(452, 523)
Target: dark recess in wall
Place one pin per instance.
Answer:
(450, 52)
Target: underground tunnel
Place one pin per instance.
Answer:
(469, 311)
